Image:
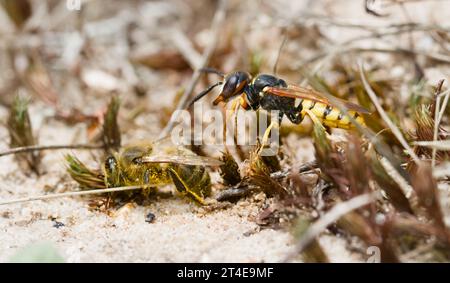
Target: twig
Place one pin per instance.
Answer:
(304, 168)
(439, 145)
(71, 194)
(320, 19)
(275, 66)
(342, 49)
(328, 218)
(49, 147)
(184, 45)
(437, 120)
(444, 105)
(217, 21)
(377, 30)
(406, 188)
(384, 115)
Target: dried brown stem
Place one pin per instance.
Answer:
(71, 194)
(217, 22)
(49, 147)
(328, 218)
(385, 117)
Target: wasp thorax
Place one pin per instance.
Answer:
(234, 84)
(264, 80)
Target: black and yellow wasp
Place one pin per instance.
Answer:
(271, 93)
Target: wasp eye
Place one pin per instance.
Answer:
(234, 85)
(230, 86)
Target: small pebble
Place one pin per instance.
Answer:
(150, 217)
(58, 224)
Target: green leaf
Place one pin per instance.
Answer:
(38, 253)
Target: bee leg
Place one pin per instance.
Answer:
(182, 187)
(146, 189)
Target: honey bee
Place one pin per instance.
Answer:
(271, 93)
(150, 165)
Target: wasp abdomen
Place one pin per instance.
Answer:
(329, 115)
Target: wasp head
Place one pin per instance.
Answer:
(234, 84)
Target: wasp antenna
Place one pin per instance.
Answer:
(212, 71)
(203, 93)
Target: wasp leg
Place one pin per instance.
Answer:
(273, 124)
(267, 133)
(234, 106)
(296, 117)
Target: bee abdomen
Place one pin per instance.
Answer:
(192, 180)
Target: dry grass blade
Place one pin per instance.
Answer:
(217, 22)
(21, 134)
(85, 177)
(384, 115)
(357, 168)
(259, 173)
(314, 253)
(411, 235)
(429, 137)
(436, 122)
(71, 194)
(438, 113)
(111, 132)
(356, 224)
(49, 147)
(329, 160)
(428, 195)
(328, 218)
(18, 11)
(439, 145)
(229, 170)
(387, 184)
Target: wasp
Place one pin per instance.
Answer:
(271, 93)
(150, 165)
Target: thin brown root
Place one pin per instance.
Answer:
(49, 147)
(71, 194)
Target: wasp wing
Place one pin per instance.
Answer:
(182, 159)
(294, 91)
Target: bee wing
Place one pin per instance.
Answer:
(294, 91)
(181, 159)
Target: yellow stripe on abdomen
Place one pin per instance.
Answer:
(331, 116)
